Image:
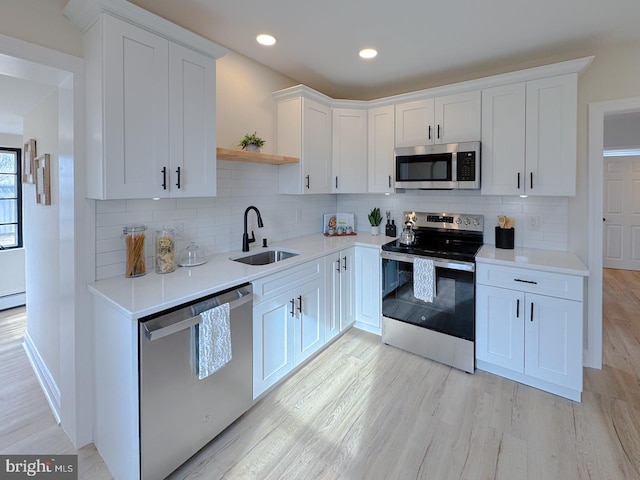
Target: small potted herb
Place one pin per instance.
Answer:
(375, 219)
(251, 143)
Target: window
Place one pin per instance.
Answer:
(10, 198)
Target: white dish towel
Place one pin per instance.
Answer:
(214, 340)
(424, 279)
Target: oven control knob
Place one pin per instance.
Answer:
(458, 221)
(476, 222)
(467, 221)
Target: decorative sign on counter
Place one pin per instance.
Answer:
(337, 224)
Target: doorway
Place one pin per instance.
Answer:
(63, 300)
(598, 111)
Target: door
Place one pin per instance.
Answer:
(622, 213)
(333, 268)
(347, 288)
(309, 321)
(136, 118)
(551, 136)
(192, 118)
(414, 123)
(553, 340)
(503, 140)
(349, 150)
(316, 150)
(500, 327)
(457, 118)
(369, 288)
(380, 149)
(273, 341)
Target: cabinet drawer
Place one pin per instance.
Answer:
(534, 281)
(273, 285)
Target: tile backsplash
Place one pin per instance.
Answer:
(216, 224)
(541, 222)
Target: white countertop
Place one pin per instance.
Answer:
(152, 293)
(535, 259)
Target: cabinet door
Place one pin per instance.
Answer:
(457, 118)
(273, 341)
(380, 151)
(414, 123)
(367, 288)
(333, 269)
(347, 288)
(310, 319)
(316, 147)
(349, 150)
(192, 133)
(503, 140)
(136, 111)
(500, 322)
(553, 340)
(551, 135)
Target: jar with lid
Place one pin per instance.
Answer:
(134, 240)
(165, 250)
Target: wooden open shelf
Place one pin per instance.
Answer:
(254, 157)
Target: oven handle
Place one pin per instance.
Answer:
(438, 262)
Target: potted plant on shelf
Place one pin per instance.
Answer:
(375, 219)
(251, 142)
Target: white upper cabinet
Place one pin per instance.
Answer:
(447, 119)
(503, 139)
(304, 131)
(380, 152)
(349, 150)
(552, 105)
(150, 104)
(529, 137)
(192, 123)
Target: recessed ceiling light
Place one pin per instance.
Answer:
(368, 53)
(266, 39)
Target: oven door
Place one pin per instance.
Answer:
(416, 169)
(452, 311)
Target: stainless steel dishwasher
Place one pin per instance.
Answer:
(179, 413)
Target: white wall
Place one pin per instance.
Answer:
(41, 237)
(11, 260)
(40, 22)
(622, 131)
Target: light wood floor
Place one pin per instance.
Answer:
(362, 410)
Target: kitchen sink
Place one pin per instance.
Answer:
(266, 257)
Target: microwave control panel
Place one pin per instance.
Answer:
(466, 166)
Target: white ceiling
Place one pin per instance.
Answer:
(421, 43)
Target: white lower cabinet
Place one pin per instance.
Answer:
(368, 289)
(340, 269)
(528, 336)
(288, 321)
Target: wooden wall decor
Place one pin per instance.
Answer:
(43, 179)
(29, 155)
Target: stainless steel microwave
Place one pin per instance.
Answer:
(451, 166)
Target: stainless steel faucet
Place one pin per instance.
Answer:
(245, 236)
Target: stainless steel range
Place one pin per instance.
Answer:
(442, 327)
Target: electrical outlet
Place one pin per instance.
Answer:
(533, 222)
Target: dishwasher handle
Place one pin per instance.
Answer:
(155, 330)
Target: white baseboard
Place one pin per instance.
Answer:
(12, 301)
(47, 383)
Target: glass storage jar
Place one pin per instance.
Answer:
(134, 240)
(165, 250)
